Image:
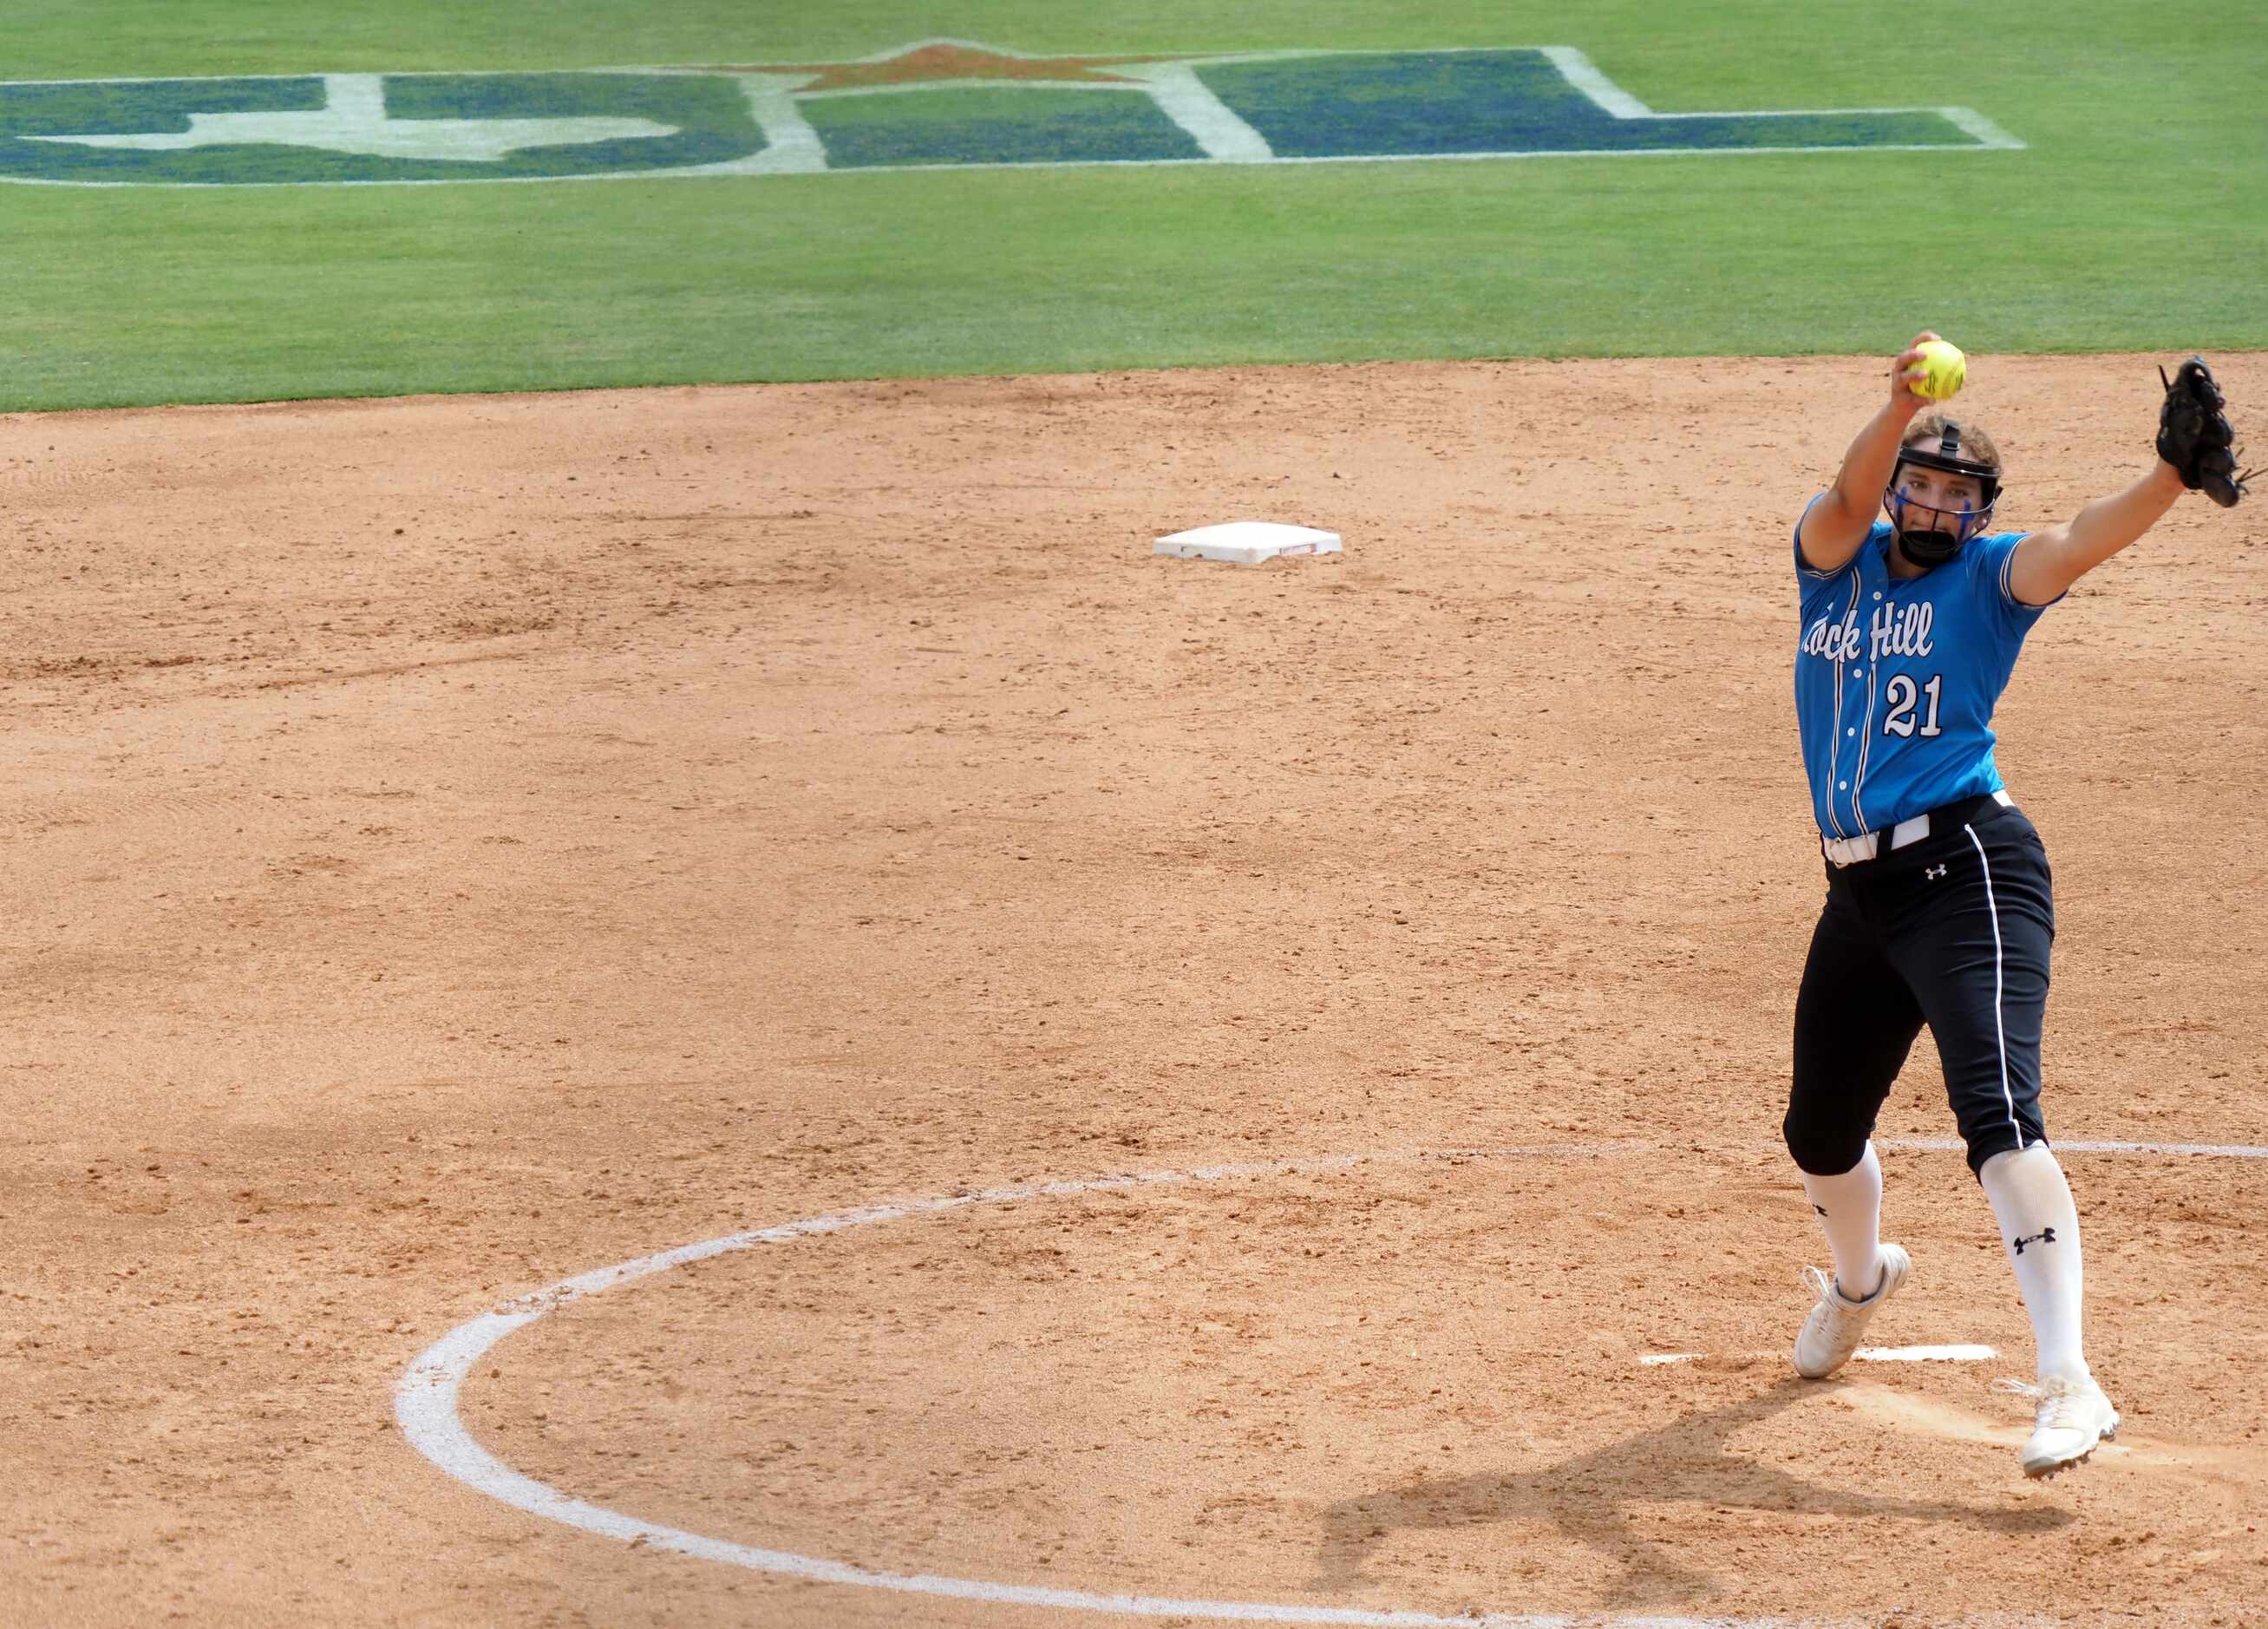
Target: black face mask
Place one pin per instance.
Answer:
(1931, 544)
(1928, 549)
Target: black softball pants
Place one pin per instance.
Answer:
(1952, 931)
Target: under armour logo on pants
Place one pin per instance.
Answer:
(2046, 1236)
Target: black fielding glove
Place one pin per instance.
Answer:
(2195, 437)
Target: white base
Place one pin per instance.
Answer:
(1247, 542)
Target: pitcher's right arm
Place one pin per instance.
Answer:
(1834, 526)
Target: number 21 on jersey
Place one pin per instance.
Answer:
(1903, 698)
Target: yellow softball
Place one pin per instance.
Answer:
(1947, 370)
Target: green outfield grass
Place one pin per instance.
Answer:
(2136, 219)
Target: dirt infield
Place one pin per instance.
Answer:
(459, 844)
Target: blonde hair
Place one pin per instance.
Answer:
(1976, 446)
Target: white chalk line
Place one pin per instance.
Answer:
(425, 1405)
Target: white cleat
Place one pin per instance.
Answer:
(2074, 1417)
(1830, 1334)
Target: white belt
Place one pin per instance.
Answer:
(1867, 844)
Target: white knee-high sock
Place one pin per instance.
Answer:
(2039, 1226)
(1850, 1208)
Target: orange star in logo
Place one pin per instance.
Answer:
(942, 60)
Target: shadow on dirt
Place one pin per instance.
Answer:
(1689, 1459)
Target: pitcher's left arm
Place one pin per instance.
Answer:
(2195, 453)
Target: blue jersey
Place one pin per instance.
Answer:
(1896, 679)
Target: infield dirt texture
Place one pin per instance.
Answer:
(461, 842)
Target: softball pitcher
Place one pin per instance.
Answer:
(1939, 905)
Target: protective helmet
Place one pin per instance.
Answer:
(1925, 544)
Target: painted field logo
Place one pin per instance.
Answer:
(942, 102)
(374, 128)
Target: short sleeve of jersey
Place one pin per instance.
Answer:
(1806, 572)
(1991, 557)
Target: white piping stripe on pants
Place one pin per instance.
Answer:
(2000, 1026)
